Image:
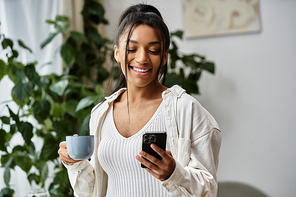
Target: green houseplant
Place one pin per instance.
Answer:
(61, 104)
(178, 62)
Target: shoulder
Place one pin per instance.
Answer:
(183, 99)
(107, 100)
(188, 108)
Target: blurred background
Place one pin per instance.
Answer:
(251, 95)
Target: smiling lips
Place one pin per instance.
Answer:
(140, 70)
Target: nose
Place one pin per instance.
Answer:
(142, 56)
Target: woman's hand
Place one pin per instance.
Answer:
(160, 169)
(64, 156)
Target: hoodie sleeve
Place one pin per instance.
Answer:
(197, 155)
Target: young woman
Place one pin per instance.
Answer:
(141, 104)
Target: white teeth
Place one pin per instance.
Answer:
(140, 70)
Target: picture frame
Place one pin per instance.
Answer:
(206, 18)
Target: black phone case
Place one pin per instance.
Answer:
(153, 138)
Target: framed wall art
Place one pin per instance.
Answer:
(203, 18)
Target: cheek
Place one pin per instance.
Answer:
(156, 61)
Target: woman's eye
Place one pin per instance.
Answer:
(155, 51)
(131, 50)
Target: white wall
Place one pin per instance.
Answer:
(252, 95)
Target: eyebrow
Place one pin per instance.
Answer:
(150, 43)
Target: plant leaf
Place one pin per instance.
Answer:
(13, 73)
(57, 110)
(26, 129)
(103, 74)
(34, 177)
(13, 115)
(19, 148)
(85, 102)
(3, 140)
(23, 160)
(62, 128)
(31, 73)
(68, 52)
(8, 137)
(3, 68)
(6, 192)
(194, 75)
(41, 110)
(105, 21)
(62, 18)
(98, 98)
(49, 150)
(20, 72)
(14, 54)
(93, 34)
(7, 42)
(70, 107)
(172, 79)
(62, 27)
(178, 33)
(188, 60)
(5, 120)
(209, 66)
(44, 173)
(84, 129)
(24, 46)
(32, 148)
(96, 8)
(190, 86)
(22, 90)
(6, 160)
(59, 87)
(13, 129)
(48, 39)
(50, 22)
(78, 36)
(7, 175)
(26, 164)
(80, 60)
(100, 91)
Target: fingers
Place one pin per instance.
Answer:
(169, 153)
(151, 159)
(146, 162)
(63, 145)
(64, 156)
(159, 150)
(160, 169)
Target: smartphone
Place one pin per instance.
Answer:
(153, 138)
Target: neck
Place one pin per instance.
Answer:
(139, 94)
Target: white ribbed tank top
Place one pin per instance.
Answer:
(116, 155)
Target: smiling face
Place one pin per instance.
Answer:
(144, 53)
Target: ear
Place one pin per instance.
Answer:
(116, 53)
